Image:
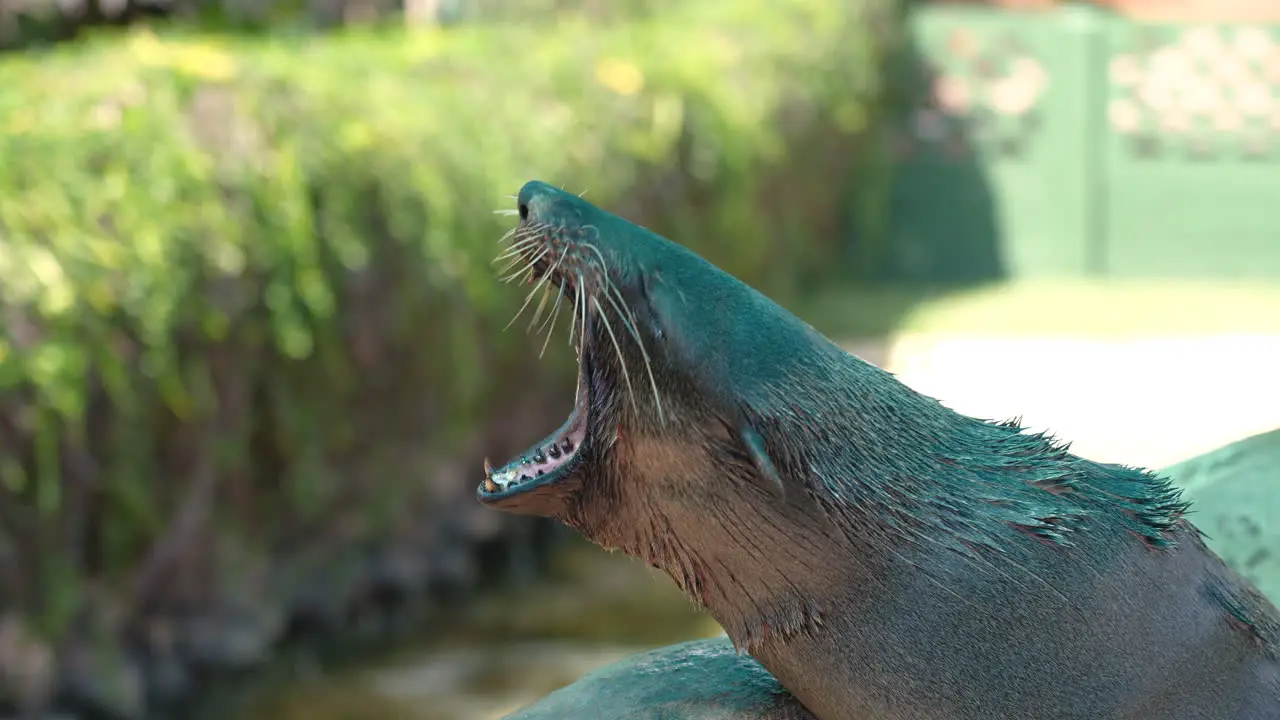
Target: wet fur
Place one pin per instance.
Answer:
(883, 556)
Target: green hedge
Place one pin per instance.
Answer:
(246, 293)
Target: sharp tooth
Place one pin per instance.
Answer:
(490, 485)
(488, 469)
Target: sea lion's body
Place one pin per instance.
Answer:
(1130, 637)
(881, 555)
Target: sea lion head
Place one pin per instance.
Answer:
(664, 394)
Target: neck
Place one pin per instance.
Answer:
(891, 479)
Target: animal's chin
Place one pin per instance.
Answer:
(528, 483)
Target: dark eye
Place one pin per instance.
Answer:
(524, 211)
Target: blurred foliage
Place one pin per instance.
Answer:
(247, 300)
(30, 22)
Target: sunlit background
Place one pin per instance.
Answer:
(251, 347)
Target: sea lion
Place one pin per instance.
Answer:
(708, 680)
(883, 556)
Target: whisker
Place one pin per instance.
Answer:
(507, 235)
(539, 256)
(521, 275)
(514, 262)
(528, 266)
(537, 313)
(611, 291)
(612, 294)
(604, 320)
(528, 298)
(582, 299)
(522, 270)
(528, 230)
(551, 320)
(573, 319)
(518, 231)
(599, 254)
(520, 255)
(542, 304)
(516, 248)
(555, 309)
(517, 253)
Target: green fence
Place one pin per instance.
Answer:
(1078, 143)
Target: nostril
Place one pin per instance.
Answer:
(524, 211)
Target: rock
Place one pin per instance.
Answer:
(167, 677)
(323, 589)
(233, 635)
(1235, 495)
(28, 671)
(398, 571)
(98, 678)
(168, 680)
(699, 680)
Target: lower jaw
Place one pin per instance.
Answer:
(546, 463)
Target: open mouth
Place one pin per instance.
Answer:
(546, 462)
(543, 260)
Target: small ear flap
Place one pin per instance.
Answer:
(754, 445)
